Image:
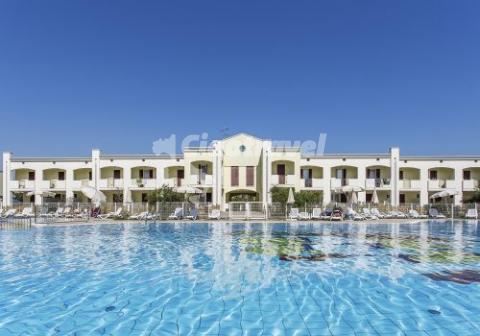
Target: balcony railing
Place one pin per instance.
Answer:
(173, 182)
(470, 184)
(282, 180)
(52, 184)
(341, 182)
(312, 183)
(205, 180)
(372, 183)
(441, 184)
(111, 183)
(78, 184)
(410, 184)
(22, 184)
(143, 183)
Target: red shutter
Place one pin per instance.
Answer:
(234, 176)
(250, 176)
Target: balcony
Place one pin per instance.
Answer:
(111, 183)
(173, 182)
(79, 184)
(197, 180)
(377, 183)
(22, 184)
(441, 184)
(314, 183)
(409, 185)
(52, 184)
(143, 183)
(283, 180)
(341, 182)
(470, 185)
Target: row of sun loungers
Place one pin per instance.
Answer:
(369, 214)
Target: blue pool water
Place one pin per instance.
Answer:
(241, 279)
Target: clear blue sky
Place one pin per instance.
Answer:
(119, 74)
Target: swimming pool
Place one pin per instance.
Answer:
(241, 278)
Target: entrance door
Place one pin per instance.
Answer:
(180, 176)
(281, 173)
(402, 198)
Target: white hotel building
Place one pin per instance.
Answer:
(240, 165)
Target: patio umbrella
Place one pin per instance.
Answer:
(353, 198)
(375, 197)
(188, 190)
(444, 194)
(96, 196)
(290, 200)
(41, 193)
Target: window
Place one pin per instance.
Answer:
(467, 175)
(402, 198)
(433, 174)
(234, 176)
(368, 198)
(31, 176)
(116, 174)
(281, 173)
(61, 176)
(401, 175)
(90, 175)
(250, 176)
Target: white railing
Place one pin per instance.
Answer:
(312, 183)
(143, 183)
(470, 184)
(22, 184)
(206, 180)
(173, 182)
(287, 179)
(410, 184)
(441, 184)
(78, 184)
(111, 183)
(338, 183)
(372, 183)
(52, 184)
(247, 210)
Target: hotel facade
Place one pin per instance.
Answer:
(241, 167)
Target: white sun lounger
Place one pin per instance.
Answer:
(112, 214)
(215, 214)
(294, 213)
(316, 213)
(26, 212)
(304, 215)
(433, 213)
(414, 214)
(376, 212)
(472, 214)
(9, 213)
(177, 214)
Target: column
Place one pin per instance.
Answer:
(68, 185)
(38, 186)
(327, 189)
(7, 197)
(362, 176)
(266, 173)
(458, 198)
(127, 180)
(96, 168)
(424, 186)
(394, 176)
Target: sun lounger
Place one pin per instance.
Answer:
(177, 214)
(294, 213)
(139, 216)
(433, 213)
(414, 214)
(9, 213)
(368, 214)
(316, 213)
(377, 213)
(337, 215)
(304, 215)
(193, 215)
(26, 212)
(113, 214)
(472, 214)
(215, 214)
(326, 214)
